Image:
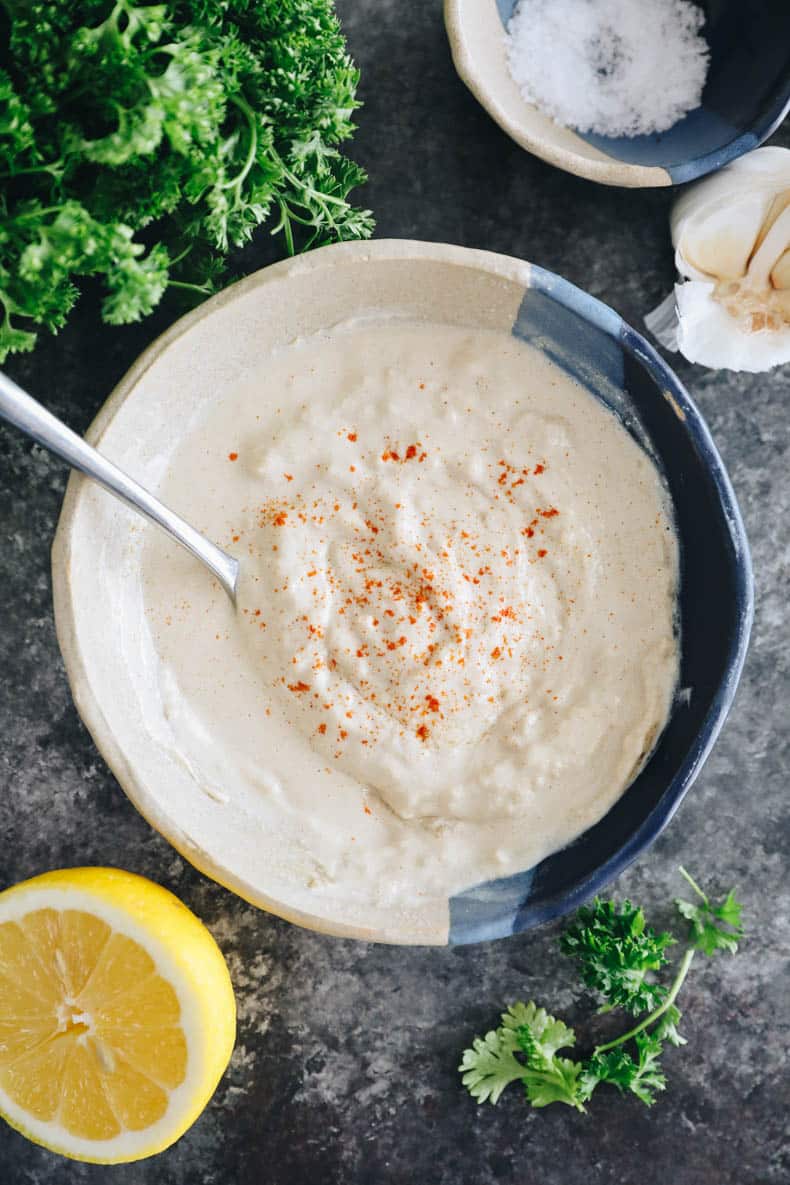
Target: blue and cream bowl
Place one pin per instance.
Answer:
(96, 564)
(746, 96)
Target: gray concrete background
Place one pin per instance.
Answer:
(344, 1072)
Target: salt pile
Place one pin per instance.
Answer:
(615, 67)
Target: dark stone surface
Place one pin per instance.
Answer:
(344, 1072)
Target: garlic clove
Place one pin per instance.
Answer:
(721, 244)
(765, 169)
(782, 302)
(780, 276)
(731, 234)
(771, 246)
(777, 207)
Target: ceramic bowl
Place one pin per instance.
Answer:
(109, 654)
(746, 96)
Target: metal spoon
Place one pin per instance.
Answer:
(21, 410)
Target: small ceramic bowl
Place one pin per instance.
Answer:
(96, 560)
(746, 96)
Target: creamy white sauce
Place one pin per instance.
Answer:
(454, 643)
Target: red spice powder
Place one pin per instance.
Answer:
(412, 452)
(390, 590)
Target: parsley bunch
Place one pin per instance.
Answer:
(140, 142)
(614, 951)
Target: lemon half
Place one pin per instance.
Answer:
(117, 1015)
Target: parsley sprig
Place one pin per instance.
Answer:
(615, 950)
(140, 142)
(616, 954)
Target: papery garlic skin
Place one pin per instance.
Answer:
(731, 234)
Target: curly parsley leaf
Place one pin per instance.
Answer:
(548, 1033)
(196, 122)
(667, 1027)
(14, 339)
(17, 138)
(713, 927)
(490, 1065)
(615, 951)
(547, 1078)
(641, 1076)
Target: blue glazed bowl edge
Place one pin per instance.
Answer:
(607, 320)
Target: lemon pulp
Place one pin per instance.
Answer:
(116, 1014)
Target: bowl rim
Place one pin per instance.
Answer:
(490, 263)
(608, 171)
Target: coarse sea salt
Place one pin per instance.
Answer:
(615, 67)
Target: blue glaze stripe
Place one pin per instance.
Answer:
(489, 910)
(505, 9)
(588, 307)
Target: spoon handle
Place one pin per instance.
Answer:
(21, 410)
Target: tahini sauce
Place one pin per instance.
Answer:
(454, 643)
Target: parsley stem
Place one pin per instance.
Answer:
(687, 876)
(189, 287)
(182, 255)
(683, 971)
(27, 214)
(252, 150)
(53, 169)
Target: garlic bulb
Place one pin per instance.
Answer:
(731, 234)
